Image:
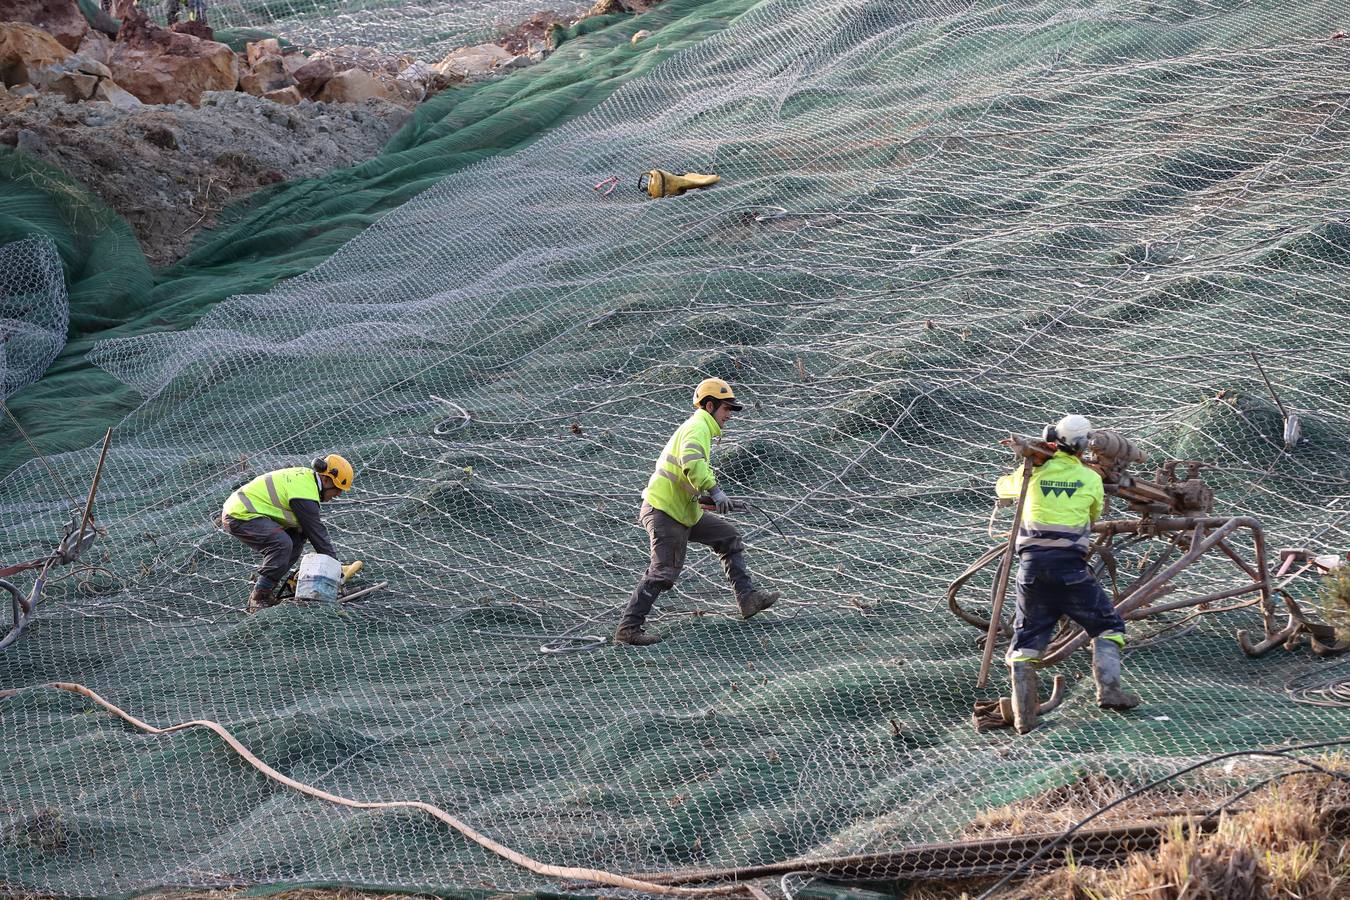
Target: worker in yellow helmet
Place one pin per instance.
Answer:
(276, 513)
(673, 517)
(1063, 499)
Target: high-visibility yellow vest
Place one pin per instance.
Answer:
(1063, 500)
(683, 471)
(270, 495)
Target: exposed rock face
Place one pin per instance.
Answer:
(26, 50)
(161, 66)
(61, 19)
(170, 169)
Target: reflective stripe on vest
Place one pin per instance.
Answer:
(270, 495)
(678, 481)
(1045, 536)
(681, 472)
(287, 514)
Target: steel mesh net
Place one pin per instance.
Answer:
(938, 223)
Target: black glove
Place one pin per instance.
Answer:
(721, 501)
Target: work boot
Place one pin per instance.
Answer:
(635, 614)
(636, 637)
(756, 602)
(1026, 701)
(261, 598)
(1106, 672)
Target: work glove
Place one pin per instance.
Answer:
(720, 500)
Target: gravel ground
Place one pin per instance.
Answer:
(169, 170)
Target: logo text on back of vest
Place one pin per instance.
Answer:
(1060, 487)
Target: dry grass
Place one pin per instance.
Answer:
(1281, 846)
(297, 894)
(1335, 596)
(1063, 807)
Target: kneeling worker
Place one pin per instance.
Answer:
(673, 517)
(1063, 500)
(276, 513)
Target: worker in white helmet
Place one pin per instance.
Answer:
(1063, 500)
(673, 516)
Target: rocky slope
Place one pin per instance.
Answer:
(169, 170)
(169, 127)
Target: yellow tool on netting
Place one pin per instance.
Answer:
(350, 569)
(659, 183)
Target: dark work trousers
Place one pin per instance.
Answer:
(1056, 583)
(669, 541)
(280, 547)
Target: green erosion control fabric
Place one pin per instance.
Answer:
(937, 223)
(288, 230)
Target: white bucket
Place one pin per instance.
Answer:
(319, 578)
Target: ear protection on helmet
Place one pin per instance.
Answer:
(320, 464)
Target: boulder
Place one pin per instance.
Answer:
(260, 50)
(25, 50)
(475, 63)
(287, 96)
(96, 45)
(61, 19)
(109, 92)
(74, 78)
(267, 74)
(357, 86)
(162, 66)
(294, 62)
(418, 81)
(313, 75)
(79, 63)
(75, 87)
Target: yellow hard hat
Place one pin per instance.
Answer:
(337, 468)
(716, 389)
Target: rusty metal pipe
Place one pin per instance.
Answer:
(1136, 615)
(968, 617)
(1241, 563)
(1143, 593)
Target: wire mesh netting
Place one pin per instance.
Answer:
(34, 311)
(938, 223)
(423, 28)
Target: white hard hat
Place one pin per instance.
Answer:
(1072, 431)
